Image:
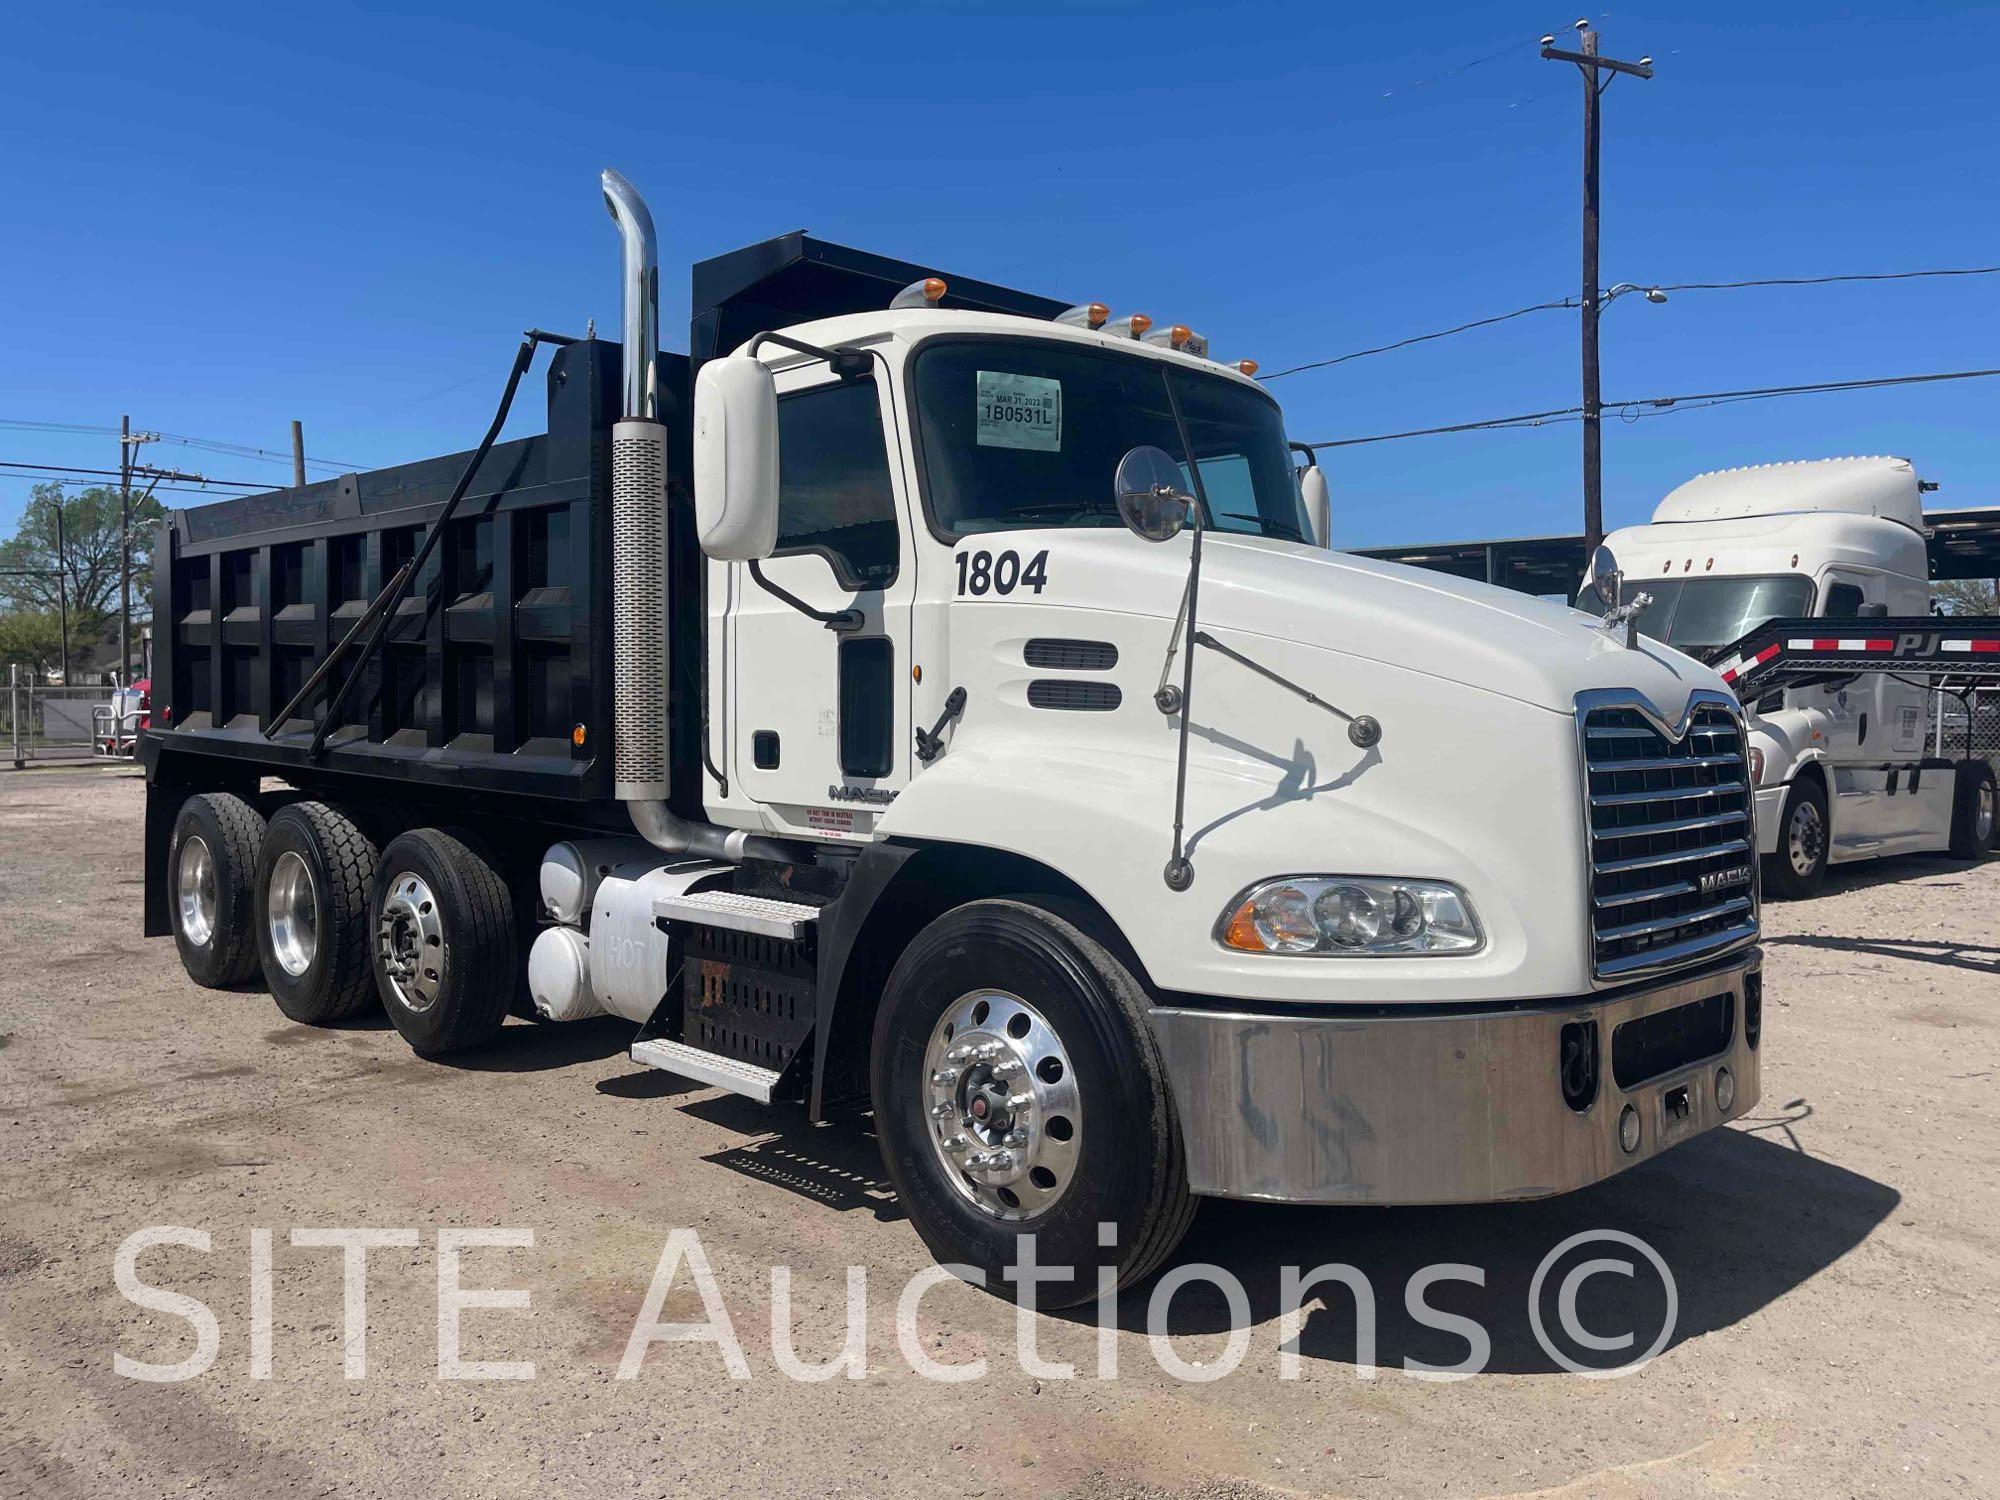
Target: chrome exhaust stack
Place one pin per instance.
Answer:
(640, 651)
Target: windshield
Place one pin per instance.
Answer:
(1696, 613)
(1018, 432)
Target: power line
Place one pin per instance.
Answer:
(1423, 338)
(8, 463)
(1665, 286)
(1760, 393)
(1663, 404)
(241, 450)
(1723, 286)
(158, 489)
(212, 445)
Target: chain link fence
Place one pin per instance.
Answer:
(42, 723)
(1967, 725)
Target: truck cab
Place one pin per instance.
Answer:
(1847, 767)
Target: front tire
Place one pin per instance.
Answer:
(314, 879)
(211, 878)
(1018, 1089)
(1798, 869)
(1974, 805)
(443, 943)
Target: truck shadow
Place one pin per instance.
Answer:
(1979, 958)
(837, 1165)
(1739, 1219)
(1866, 875)
(523, 1046)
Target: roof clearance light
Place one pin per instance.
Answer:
(926, 293)
(1085, 315)
(1181, 337)
(1133, 327)
(1247, 366)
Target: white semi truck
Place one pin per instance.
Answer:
(1808, 587)
(934, 698)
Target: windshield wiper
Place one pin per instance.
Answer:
(1058, 512)
(1266, 526)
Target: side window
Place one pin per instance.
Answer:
(834, 495)
(1843, 601)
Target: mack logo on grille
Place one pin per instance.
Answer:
(1721, 880)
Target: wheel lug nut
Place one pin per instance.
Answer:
(955, 1144)
(1017, 1138)
(1013, 1067)
(958, 1055)
(942, 1110)
(944, 1078)
(1020, 1101)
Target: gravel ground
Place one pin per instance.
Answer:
(1837, 1257)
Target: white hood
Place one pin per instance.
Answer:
(1450, 628)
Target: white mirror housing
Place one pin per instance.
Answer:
(736, 459)
(1319, 505)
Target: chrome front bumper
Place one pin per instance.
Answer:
(1460, 1107)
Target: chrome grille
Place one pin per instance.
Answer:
(1672, 839)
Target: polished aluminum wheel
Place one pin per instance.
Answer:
(410, 938)
(1982, 817)
(294, 914)
(194, 887)
(1001, 1099)
(1805, 837)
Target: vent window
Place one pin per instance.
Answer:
(1071, 656)
(1082, 697)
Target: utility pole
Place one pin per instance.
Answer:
(298, 455)
(62, 586)
(1597, 74)
(124, 545)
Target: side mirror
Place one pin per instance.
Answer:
(1150, 498)
(1319, 505)
(736, 459)
(1605, 577)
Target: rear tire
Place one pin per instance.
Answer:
(1050, 992)
(442, 941)
(211, 877)
(1974, 809)
(1798, 869)
(314, 882)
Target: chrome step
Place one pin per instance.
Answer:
(739, 913)
(744, 1078)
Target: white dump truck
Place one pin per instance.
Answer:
(1808, 586)
(934, 698)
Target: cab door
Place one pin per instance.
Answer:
(818, 719)
(1857, 737)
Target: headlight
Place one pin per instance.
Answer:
(1356, 916)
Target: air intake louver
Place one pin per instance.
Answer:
(1071, 656)
(1672, 840)
(1084, 697)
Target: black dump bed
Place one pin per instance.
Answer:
(495, 674)
(495, 670)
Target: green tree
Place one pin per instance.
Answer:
(90, 553)
(33, 637)
(1965, 596)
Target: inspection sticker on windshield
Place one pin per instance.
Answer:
(1019, 411)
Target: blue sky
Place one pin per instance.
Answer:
(223, 218)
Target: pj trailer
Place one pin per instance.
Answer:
(937, 698)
